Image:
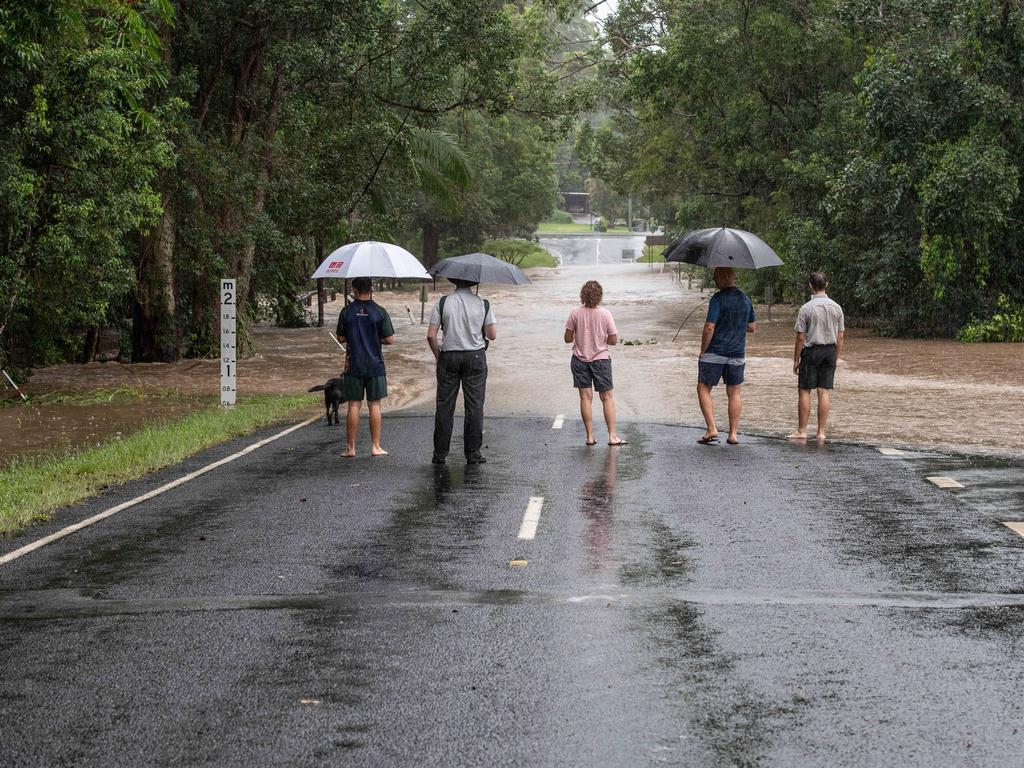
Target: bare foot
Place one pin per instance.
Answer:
(378, 451)
(820, 437)
(349, 454)
(797, 436)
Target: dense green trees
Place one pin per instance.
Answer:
(879, 141)
(80, 148)
(148, 148)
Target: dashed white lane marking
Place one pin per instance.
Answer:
(1016, 527)
(944, 482)
(892, 452)
(529, 527)
(559, 421)
(147, 496)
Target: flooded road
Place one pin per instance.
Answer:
(935, 393)
(593, 250)
(923, 393)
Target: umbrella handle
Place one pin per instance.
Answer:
(337, 342)
(702, 301)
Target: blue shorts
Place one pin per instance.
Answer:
(712, 373)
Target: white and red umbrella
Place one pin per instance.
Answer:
(372, 259)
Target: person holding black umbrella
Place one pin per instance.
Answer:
(723, 343)
(730, 314)
(467, 324)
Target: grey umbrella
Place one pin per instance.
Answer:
(479, 268)
(723, 247)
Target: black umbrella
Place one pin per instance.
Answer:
(479, 268)
(723, 247)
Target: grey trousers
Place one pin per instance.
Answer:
(468, 369)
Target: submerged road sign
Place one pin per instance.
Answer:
(228, 345)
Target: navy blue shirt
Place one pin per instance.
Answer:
(363, 324)
(730, 310)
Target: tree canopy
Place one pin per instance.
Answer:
(880, 142)
(150, 148)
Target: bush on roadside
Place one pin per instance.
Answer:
(523, 253)
(560, 217)
(1005, 325)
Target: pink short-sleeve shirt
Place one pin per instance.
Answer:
(591, 328)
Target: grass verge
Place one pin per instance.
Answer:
(560, 228)
(653, 254)
(30, 489)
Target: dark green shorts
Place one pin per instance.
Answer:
(370, 387)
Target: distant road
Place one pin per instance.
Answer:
(588, 250)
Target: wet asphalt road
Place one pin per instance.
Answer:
(766, 604)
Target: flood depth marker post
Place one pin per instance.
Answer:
(228, 342)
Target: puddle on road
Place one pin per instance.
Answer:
(992, 485)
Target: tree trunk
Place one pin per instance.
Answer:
(154, 334)
(321, 290)
(91, 344)
(431, 243)
(243, 265)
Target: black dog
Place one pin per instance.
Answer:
(334, 396)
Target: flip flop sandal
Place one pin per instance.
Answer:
(733, 442)
(592, 442)
(621, 442)
(709, 440)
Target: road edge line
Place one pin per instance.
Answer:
(67, 531)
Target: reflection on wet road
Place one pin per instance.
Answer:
(766, 604)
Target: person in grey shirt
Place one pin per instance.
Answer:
(820, 328)
(467, 324)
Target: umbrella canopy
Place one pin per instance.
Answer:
(479, 268)
(371, 259)
(723, 247)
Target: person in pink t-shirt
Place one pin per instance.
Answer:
(591, 330)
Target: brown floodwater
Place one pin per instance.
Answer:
(930, 393)
(48, 429)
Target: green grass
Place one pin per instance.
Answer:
(558, 228)
(30, 489)
(653, 254)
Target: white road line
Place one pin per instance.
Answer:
(559, 421)
(944, 482)
(529, 527)
(146, 496)
(1016, 527)
(892, 452)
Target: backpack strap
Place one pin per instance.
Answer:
(487, 311)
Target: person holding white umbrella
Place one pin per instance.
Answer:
(364, 325)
